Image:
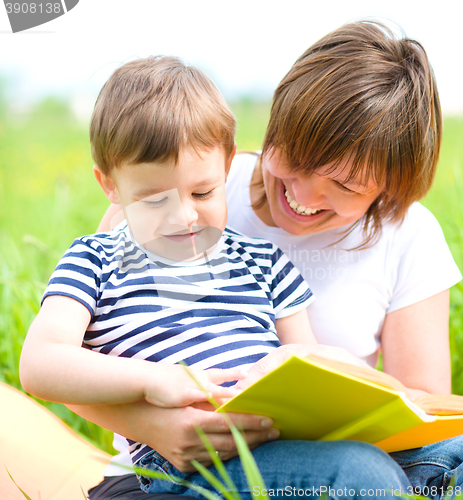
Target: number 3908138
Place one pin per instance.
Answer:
(33, 8)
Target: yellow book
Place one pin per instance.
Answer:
(318, 399)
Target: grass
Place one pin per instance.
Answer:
(48, 197)
(444, 201)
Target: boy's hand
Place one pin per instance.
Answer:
(282, 353)
(274, 359)
(339, 354)
(171, 386)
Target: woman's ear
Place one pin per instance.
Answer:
(229, 162)
(107, 185)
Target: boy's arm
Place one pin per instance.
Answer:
(54, 366)
(295, 333)
(295, 329)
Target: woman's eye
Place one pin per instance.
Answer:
(344, 188)
(203, 196)
(156, 203)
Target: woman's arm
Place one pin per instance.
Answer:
(415, 345)
(105, 224)
(172, 431)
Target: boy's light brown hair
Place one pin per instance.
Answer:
(151, 108)
(363, 95)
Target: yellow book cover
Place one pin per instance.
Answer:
(316, 399)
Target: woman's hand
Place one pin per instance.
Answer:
(185, 445)
(172, 431)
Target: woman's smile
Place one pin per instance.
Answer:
(297, 210)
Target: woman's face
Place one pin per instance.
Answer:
(302, 203)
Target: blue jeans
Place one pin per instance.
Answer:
(338, 469)
(432, 468)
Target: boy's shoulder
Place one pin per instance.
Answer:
(107, 243)
(106, 237)
(248, 242)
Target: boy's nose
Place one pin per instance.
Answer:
(185, 215)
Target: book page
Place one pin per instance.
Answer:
(369, 374)
(441, 404)
(432, 404)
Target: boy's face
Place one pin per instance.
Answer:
(175, 211)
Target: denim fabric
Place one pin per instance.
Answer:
(432, 468)
(340, 470)
(125, 487)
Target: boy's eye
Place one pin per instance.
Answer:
(156, 203)
(202, 196)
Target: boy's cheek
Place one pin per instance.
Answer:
(142, 223)
(208, 237)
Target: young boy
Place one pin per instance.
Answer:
(172, 283)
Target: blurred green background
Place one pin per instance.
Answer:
(48, 196)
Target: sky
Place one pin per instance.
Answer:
(245, 46)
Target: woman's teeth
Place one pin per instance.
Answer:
(300, 209)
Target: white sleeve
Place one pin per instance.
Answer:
(425, 264)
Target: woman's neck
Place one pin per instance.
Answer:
(259, 201)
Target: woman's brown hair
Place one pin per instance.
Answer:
(362, 95)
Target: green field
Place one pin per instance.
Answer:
(48, 197)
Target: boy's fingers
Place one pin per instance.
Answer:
(219, 392)
(218, 376)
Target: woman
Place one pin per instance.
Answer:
(352, 143)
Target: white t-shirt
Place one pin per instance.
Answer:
(354, 290)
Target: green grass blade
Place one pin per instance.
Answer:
(251, 470)
(159, 475)
(217, 462)
(396, 493)
(214, 481)
(23, 492)
(450, 489)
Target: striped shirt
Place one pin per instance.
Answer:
(214, 312)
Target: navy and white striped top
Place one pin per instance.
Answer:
(215, 312)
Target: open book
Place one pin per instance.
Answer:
(318, 399)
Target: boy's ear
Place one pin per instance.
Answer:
(107, 185)
(229, 162)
